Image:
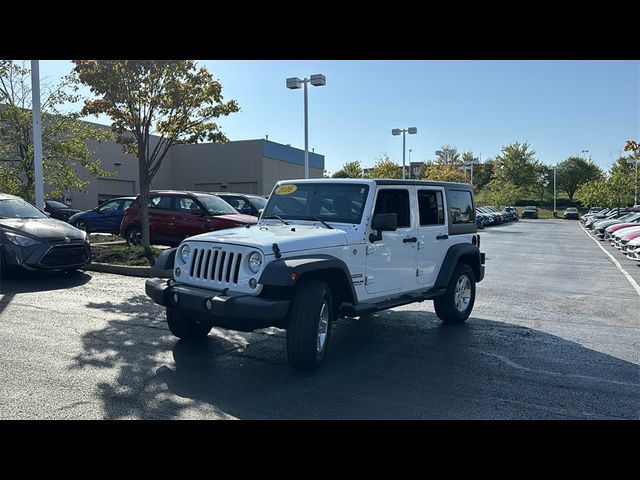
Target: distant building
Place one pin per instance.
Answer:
(246, 166)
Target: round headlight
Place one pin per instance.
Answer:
(255, 262)
(184, 252)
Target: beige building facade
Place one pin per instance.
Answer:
(244, 166)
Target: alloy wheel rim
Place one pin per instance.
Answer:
(462, 296)
(323, 326)
(135, 237)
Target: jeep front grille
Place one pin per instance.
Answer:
(215, 265)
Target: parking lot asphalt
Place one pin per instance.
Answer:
(554, 335)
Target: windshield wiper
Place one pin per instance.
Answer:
(317, 220)
(278, 217)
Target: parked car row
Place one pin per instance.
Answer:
(488, 215)
(173, 215)
(618, 226)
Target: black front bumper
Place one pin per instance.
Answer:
(237, 312)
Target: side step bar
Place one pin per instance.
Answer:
(350, 310)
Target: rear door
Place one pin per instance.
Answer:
(432, 234)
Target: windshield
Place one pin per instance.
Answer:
(572, 209)
(330, 202)
(530, 208)
(55, 204)
(216, 206)
(18, 208)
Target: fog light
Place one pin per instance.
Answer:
(253, 282)
(174, 297)
(293, 276)
(178, 272)
(208, 304)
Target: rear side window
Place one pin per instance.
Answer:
(431, 207)
(395, 201)
(160, 203)
(460, 207)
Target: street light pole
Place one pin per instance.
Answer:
(293, 83)
(554, 190)
(37, 133)
(306, 130)
(398, 131)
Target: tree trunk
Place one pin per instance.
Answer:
(144, 198)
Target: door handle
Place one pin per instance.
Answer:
(442, 237)
(410, 240)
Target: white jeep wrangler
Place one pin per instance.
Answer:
(324, 249)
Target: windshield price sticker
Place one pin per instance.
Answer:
(286, 189)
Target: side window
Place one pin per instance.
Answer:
(431, 207)
(110, 207)
(460, 207)
(395, 201)
(124, 204)
(160, 203)
(186, 205)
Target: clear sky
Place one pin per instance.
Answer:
(559, 107)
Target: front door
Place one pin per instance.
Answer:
(432, 234)
(391, 262)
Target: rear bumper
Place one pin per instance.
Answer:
(236, 312)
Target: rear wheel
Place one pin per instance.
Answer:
(309, 326)
(82, 225)
(188, 326)
(456, 304)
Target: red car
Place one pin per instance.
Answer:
(175, 215)
(611, 229)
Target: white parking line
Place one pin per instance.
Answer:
(615, 262)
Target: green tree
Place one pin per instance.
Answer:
(517, 165)
(593, 193)
(445, 173)
(482, 173)
(573, 172)
(502, 193)
(386, 168)
(64, 137)
(171, 99)
(349, 170)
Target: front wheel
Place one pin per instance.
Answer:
(456, 304)
(188, 326)
(133, 236)
(309, 325)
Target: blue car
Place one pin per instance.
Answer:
(105, 218)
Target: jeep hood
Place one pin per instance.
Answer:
(45, 228)
(290, 238)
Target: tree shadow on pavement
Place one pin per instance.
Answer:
(396, 364)
(28, 281)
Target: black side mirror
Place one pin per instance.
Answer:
(383, 222)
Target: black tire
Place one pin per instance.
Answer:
(82, 225)
(188, 326)
(445, 305)
(303, 330)
(133, 236)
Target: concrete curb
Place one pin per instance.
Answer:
(145, 272)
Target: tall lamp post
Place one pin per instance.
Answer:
(555, 167)
(585, 151)
(398, 131)
(37, 133)
(317, 80)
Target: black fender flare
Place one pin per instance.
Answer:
(279, 272)
(164, 263)
(472, 256)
